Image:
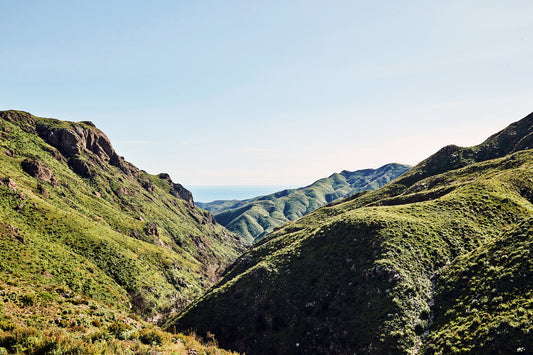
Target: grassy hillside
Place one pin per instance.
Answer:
(407, 268)
(254, 218)
(76, 216)
(484, 299)
(48, 319)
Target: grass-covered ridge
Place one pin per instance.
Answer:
(75, 215)
(254, 218)
(407, 268)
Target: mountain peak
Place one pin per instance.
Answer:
(515, 137)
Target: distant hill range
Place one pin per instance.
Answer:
(437, 262)
(254, 218)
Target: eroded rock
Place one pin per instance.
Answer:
(43, 191)
(39, 170)
(11, 184)
(151, 229)
(82, 167)
(78, 139)
(178, 190)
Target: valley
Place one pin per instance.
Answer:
(254, 218)
(99, 256)
(434, 262)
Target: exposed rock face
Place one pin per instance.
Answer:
(39, 170)
(124, 191)
(84, 147)
(11, 184)
(81, 167)
(178, 190)
(42, 191)
(24, 119)
(147, 185)
(78, 139)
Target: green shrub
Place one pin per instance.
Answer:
(102, 335)
(151, 337)
(120, 330)
(19, 339)
(28, 299)
(7, 326)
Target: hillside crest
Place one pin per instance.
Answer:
(254, 218)
(434, 262)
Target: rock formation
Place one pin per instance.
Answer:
(83, 138)
(178, 190)
(38, 170)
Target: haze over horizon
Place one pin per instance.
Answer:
(271, 93)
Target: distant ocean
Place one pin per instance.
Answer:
(212, 193)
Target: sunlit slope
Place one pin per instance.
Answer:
(75, 214)
(357, 276)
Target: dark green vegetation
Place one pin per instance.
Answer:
(76, 216)
(254, 218)
(484, 300)
(438, 261)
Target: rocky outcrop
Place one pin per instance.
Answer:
(85, 148)
(10, 183)
(82, 167)
(24, 120)
(82, 138)
(147, 185)
(38, 170)
(178, 190)
(151, 229)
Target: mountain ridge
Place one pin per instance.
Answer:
(254, 218)
(90, 229)
(380, 272)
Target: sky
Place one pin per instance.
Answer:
(241, 92)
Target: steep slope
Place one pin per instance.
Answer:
(74, 214)
(358, 276)
(484, 299)
(254, 218)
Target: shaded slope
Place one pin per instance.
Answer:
(75, 214)
(356, 276)
(253, 218)
(484, 300)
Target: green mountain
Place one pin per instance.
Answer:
(438, 261)
(254, 218)
(81, 226)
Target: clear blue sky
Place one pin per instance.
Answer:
(271, 92)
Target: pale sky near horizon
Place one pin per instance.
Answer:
(274, 92)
